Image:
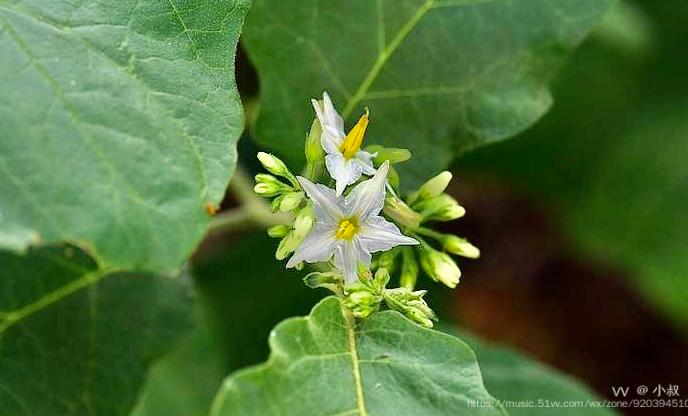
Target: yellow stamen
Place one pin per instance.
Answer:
(346, 229)
(352, 141)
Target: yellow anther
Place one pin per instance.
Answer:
(352, 141)
(346, 229)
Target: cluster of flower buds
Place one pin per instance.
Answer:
(288, 197)
(365, 296)
(350, 220)
(428, 204)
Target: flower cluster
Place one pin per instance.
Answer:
(348, 219)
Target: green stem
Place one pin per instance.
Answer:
(430, 233)
(253, 212)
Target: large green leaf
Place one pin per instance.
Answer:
(325, 364)
(77, 340)
(616, 173)
(440, 76)
(511, 377)
(119, 122)
(185, 382)
(232, 325)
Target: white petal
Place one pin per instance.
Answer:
(343, 171)
(331, 114)
(365, 160)
(319, 245)
(378, 234)
(326, 205)
(331, 123)
(346, 257)
(368, 197)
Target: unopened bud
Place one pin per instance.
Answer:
(361, 301)
(321, 279)
(440, 208)
(401, 213)
(411, 305)
(439, 266)
(279, 231)
(275, 166)
(288, 244)
(314, 151)
(459, 246)
(432, 188)
(267, 189)
(409, 269)
(304, 221)
(393, 178)
(424, 308)
(382, 277)
(290, 201)
(393, 155)
(418, 317)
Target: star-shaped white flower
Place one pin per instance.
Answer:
(350, 228)
(344, 160)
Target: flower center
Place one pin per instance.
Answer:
(346, 229)
(352, 141)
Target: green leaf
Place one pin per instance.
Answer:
(386, 365)
(232, 326)
(616, 172)
(517, 379)
(184, 382)
(440, 76)
(75, 339)
(119, 124)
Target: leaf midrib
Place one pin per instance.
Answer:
(350, 323)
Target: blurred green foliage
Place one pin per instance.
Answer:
(610, 156)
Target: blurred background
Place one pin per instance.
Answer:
(580, 220)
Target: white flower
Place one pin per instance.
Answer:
(344, 160)
(350, 228)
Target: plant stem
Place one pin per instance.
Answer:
(430, 233)
(253, 212)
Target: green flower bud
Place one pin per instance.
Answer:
(409, 269)
(363, 272)
(460, 246)
(314, 151)
(291, 201)
(439, 266)
(288, 244)
(411, 305)
(393, 155)
(304, 221)
(423, 308)
(381, 278)
(432, 188)
(321, 279)
(401, 213)
(279, 231)
(440, 208)
(275, 166)
(275, 204)
(267, 189)
(265, 178)
(360, 299)
(393, 178)
(417, 316)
